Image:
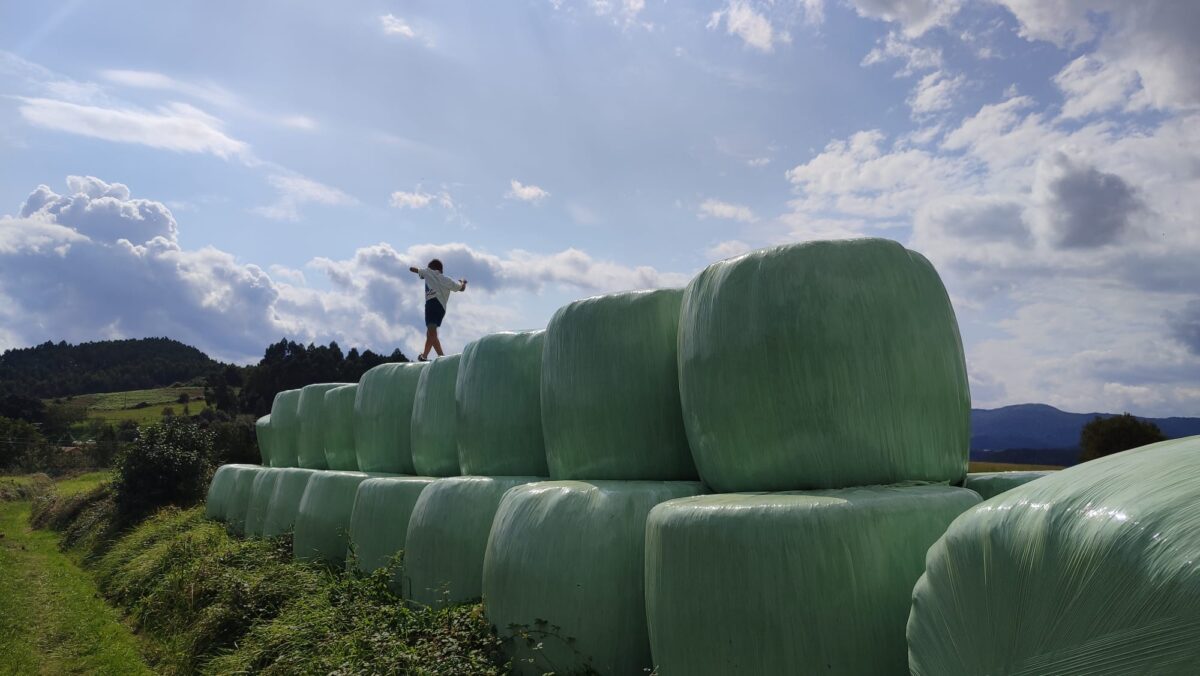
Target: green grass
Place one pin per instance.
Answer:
(140, 406)
(52, 618)
(1008, 467)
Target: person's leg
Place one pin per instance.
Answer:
(430, 339)
(437, 344)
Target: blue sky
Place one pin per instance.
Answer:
(231, 173)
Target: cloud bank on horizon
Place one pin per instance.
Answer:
(1045, 157)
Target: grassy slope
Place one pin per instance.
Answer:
(1008, 467)
(114, 407)
(52, 620)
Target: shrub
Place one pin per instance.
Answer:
(168, 464)
(1105, 436)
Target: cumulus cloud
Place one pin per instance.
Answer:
(935, 92)
(525, 193)
(711, 208)
(419, 199)
(1080, 206)
(394, 25)
(914, 16)
(295, 191)
(175, 126)
(741, 19)
(914, 58)
(101, 211)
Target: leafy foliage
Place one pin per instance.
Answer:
(62, 369)
(288, 365)
(168, 464)
(1105, 436)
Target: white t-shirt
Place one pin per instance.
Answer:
(438, 285)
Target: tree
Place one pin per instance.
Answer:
(1105, 436)
(168, 464)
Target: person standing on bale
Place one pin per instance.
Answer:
(437, 295)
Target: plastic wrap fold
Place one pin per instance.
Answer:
(498, 404)
(239, 497)
(285, 500)
(610, 389)
(260, 500)
(323, 519)
(383, 418)
(262, 433)
(434, 436)
(339, 428)
(285, 428)
(570, 554)
(823, 365)
(311, 446)
(790, 583)
(1094, 569)
(447, 536)
(379, 523)
(990, 484)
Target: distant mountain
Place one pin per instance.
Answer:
(1041, 434)
(62, 369)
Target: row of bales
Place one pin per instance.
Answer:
(745, 476)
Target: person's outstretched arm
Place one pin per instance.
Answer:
(462, 285)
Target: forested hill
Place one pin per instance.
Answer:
(62, 369)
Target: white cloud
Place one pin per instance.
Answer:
(897, 47)
(718, 209)
(727, 249)
(914, 16)
(299, 122)
(419, 199)
(754, 29)
(296, 191)
(142, 79)
(622, 12)
(935, 92)
(757, 162)
(525, 193)
(174, 126)
(394, 25)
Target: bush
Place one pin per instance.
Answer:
(168, 464)
(1105, 436)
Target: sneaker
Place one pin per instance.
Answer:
(422, 357)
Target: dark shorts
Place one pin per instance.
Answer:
(435, 312)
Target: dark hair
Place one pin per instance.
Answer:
(435, 264)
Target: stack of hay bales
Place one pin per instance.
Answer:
(564, 561)
(990, 484)
(1093, 569)
(226, 498)
(285, 429)
(262, 432)
(500, 445)
(339, 428)
(310, 446)
(383, 506)
(818, 383)
(383, 405)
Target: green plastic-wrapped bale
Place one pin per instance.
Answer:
(572, 555)
(383, 418)
(990, 484)
(790, 583)
(823, 365)
(339, 428)
(285, 429)
(311, 446)
(323, 519)
(447, 536)
(434, 439)
(285, 500)
(498, 405)
(260, 500)
(1094, 569)
(379, 523)
(262, 433)
(239, 497)
(610, 389)
(220, 490)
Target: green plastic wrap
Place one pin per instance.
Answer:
(498, 402)
(379, 523)
(434, 436)
(383, 418)
(339, 428)
(790, 583)
(323, 519)
(572, 555)
(260, 500)
(311, 445)
(990, 484)
(285, 500)
(1093, 569)
(220, 490)
(262, 432)
(285, 429)
(239, 497)
(823, 365)
(610, 389)
(447, 536)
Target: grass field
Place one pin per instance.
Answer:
(1008, 467)
(52, 619)
(141, 406)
